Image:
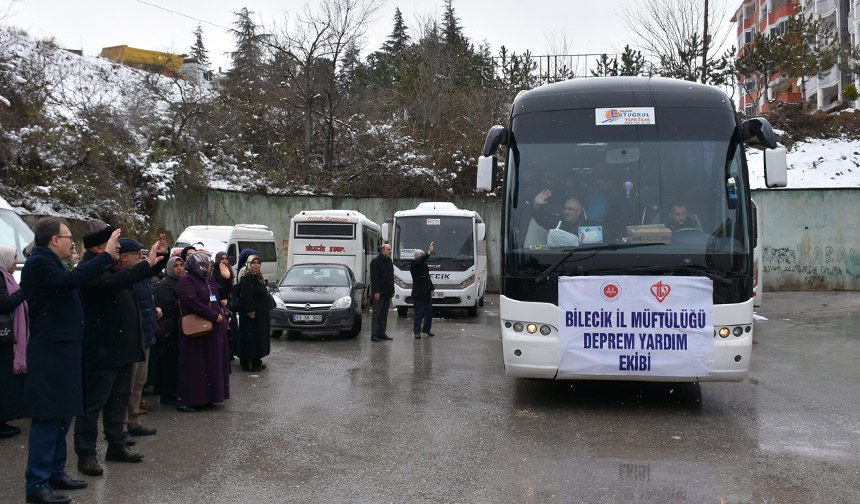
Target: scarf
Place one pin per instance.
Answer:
(197, 265)
(20, 320)
(168, 270)
(258, 274)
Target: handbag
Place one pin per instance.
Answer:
(7, 329)
(194, 326)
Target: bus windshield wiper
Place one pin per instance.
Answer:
(594, 249)
(723, 277)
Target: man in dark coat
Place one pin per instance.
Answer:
(381, 292)
(422, 292)
(53, 389)
(114, 342)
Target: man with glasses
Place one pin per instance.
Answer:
(53, 384)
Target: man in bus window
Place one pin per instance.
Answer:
(563, 229)
(680, 218)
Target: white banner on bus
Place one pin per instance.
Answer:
(635, 325)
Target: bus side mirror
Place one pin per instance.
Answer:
(482, 231)
(775, 167)
(385, 232)
(487, 166)
(759, 128)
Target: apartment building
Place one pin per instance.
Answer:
(771, 16)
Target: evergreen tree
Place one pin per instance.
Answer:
(632, 62)
(452, 32)
(398, 41)
(606, 67)
(198, 50)
(811, 49)
(248, 56)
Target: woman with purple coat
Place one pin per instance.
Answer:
(204, 368)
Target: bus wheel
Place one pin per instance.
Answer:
(277, 334)
(401, 311)
(473, 310)
(481, 301)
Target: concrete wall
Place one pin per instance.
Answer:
(229, 208)
(811, 237)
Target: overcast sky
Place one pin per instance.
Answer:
(536, 25)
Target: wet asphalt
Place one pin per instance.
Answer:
(436, 420)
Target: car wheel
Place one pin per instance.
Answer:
(401, 311)
(293, 335)
(356, 327)
(277, 334)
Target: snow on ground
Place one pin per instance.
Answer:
(814, 163)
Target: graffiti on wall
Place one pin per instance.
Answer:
(812, 265)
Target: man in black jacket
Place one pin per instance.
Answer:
(52, 389)
(422, 292)
(114, 342)
(381, 292)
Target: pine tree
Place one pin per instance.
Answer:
(452, 32)
(248, 56)
(632, 62)
(198, 50)
(398, 41)
(606, 67)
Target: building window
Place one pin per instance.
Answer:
(749, 109)
(749, 85)
(748, 36)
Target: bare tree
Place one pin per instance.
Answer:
(309, 51)
(667, 30)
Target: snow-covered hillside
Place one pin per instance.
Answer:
(814, 163)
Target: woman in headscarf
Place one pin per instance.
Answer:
(204, 366)
(254, 309)
(225, 278)
(13, 357)
(186, 252)
(168, 343)
(243, 260)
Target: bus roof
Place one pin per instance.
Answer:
(442, 208)
(614, 92)
(334, 216)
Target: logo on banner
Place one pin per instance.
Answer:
(610, 291)
(660, 291)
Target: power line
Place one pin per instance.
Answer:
(183, 15)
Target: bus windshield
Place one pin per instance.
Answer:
(677, 185)
(452, 237)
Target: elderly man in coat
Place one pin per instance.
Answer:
(53, 386)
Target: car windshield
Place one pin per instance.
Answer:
(678, 183)
(315, 276)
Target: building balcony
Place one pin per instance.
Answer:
(783, 11)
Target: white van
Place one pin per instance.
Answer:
(234, 239)
(14, 232)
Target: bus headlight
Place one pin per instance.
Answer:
(545, 330)
(724, 332)
(531, 328)
(344, 302)
(518, 327)
(467, 282)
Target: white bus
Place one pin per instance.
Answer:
(458, 265)
(335, 237)
(632, 294)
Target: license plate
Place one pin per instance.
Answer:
(438, 294)
(307, 318)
